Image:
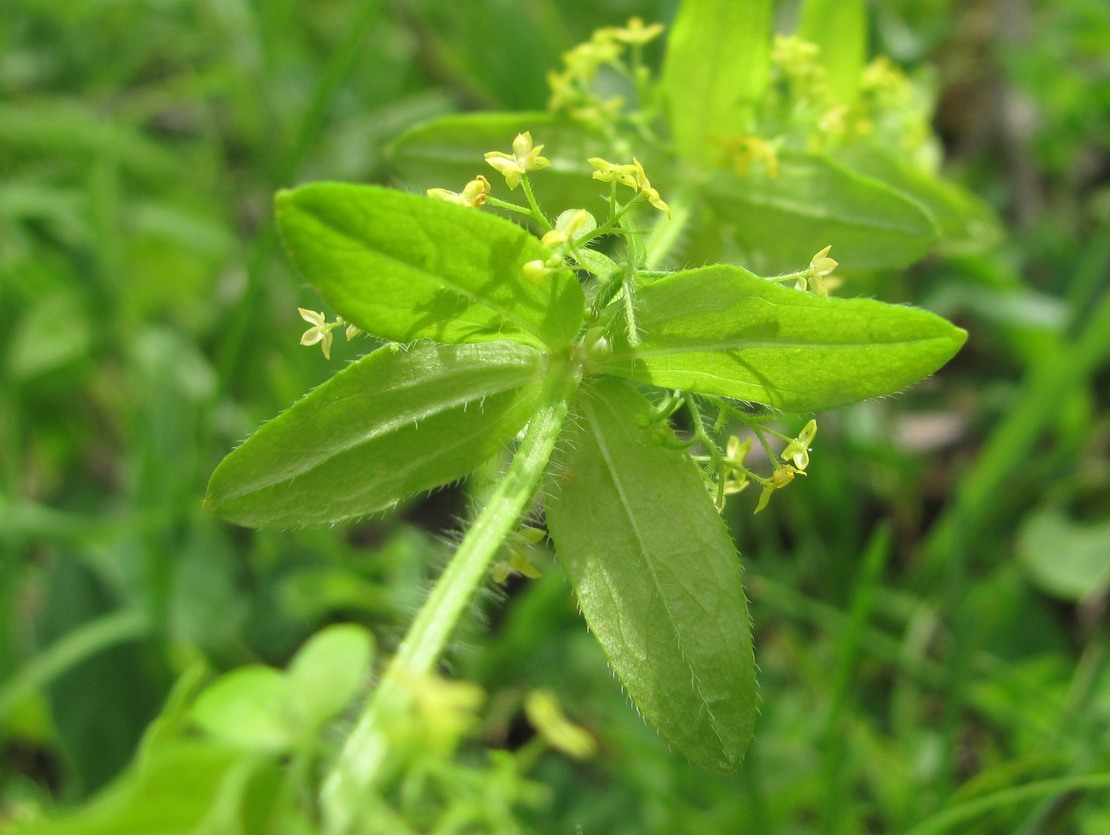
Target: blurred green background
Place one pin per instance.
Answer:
(929, 605)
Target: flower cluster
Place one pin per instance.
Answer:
(792, 461)
(574, 89)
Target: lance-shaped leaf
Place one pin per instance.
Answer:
(448, 152)
(407, 267)
(390, 425)
(781, 221)
(718, 62)
(655, 573)
(721, 330)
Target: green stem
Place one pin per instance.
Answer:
(366, 750)
(527, 185)
(951, 818)
(512, 207)
(84, 642)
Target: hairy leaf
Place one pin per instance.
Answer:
(721, 330)
(718, 62)
(388, 426)
(656, 575)
(406, 267)
(782, 221)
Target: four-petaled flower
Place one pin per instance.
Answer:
(523, 159)
(320, 332)
(798, 449)
(819, 267)
(634, 32)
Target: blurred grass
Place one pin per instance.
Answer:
(913, 669)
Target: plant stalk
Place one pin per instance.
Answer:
(364, 754)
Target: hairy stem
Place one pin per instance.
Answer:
(364, 754)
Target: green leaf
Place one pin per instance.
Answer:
(656, 575)
(1068, 560)
(449, 152)
(406, 267)
(171, 791)
(718, 63)
(721, 330)
(390, 425)
(781, 222)
(966, 223)
(328, 671)
(839, 28)
(248, 708)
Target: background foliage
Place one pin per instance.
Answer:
(946, 559)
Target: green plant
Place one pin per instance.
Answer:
(777, 154)
(495, 332)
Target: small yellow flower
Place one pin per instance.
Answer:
(634, 32)
(523, 159)
(319, 333)
(799, 448)
(583, 61)
(745, 152)
(518, 561)
(632, 176)
(783, 475)
(608, 171)
(547, 717)
(474, 193)
(820, 265)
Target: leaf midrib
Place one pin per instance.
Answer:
(727, 347)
